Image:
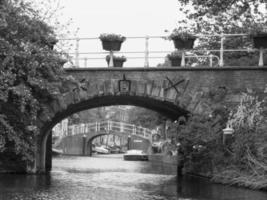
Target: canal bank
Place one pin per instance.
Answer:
(226, 177)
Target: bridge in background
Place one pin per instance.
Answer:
(80, 137)
(107, 127)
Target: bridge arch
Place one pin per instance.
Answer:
(133, 137)
(166, 108)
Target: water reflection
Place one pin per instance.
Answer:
(99, 178)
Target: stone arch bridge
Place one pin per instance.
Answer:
(80, 136)
(174, 92)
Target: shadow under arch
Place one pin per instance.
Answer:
(168, 109)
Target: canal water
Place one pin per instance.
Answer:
(110, 178)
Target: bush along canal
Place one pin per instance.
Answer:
(228, 145)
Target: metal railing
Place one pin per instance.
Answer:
(108, 127)
(147, 55)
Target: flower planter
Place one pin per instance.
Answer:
(176, 62)
(111, 45)
(111, 42)
(183, 44)
(260, 41)
(117, 62)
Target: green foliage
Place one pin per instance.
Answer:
(121, 58)
(216, 7)
(30, 74)
(200, 142)
(112, 37)
(248, 150)
(248, 113)
(180, 33)
(202, 150)
(249, 124)
(175, 54)
(145, 117)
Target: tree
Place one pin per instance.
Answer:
(215, 7)
(230, 16)
(30, 75)
(145, 117)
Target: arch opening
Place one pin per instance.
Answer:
(167, 109)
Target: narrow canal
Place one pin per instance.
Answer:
(111, 178)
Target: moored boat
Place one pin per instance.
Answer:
(56, 152)
(101, 150)
(135, 155)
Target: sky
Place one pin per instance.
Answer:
(125, 17)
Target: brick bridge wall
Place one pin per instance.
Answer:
(180, 89)
(171, 91)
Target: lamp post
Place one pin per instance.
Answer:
(227, 135)
(129, 142)
(84, 144)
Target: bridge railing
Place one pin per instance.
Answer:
(108, 127)
(155, 50)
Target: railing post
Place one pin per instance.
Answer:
(86, 128)
(109, 125)
(144, 131)
(210, 57)
(82, 128)
(146, 51)
(111, 63)
(221, 62)
(85, 62)
(77, 52)
(95, 126)
(261, 57)
(183, 59)
(134, 129)
(121, 126)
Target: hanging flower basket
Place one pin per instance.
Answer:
(111, 42)
(176, 58)
(184, 44)
(117, 60)
(176, 62)
(111, 45)
(260, 40)
(182, 40)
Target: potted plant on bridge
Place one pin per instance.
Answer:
(111, 42)
(175, 58)
(117, 60)
(182, 39)
(259, 36)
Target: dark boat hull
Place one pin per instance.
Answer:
(136, 157)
